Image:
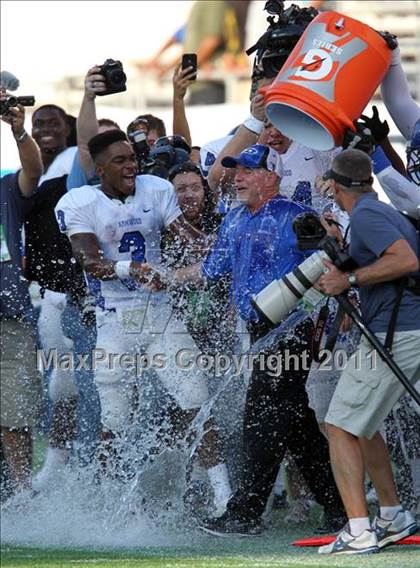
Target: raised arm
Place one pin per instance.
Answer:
(246, 135)
(87, 122)
(403, 193)
(29, 152)
(380, 131)
(181, 81)
(404, 110)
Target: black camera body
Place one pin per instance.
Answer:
(157, 160)
(145, 163)
(311, 235)
(12, 101)
(115, 78)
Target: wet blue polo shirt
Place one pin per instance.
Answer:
(375, 226)
(255, 249)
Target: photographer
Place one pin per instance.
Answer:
(385, 246)
(20, 382)
(255, 244)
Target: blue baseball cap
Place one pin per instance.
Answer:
(256, 156)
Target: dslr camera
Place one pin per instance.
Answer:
(115, 78)
(276, 300)
(11, 101)
(165, 153)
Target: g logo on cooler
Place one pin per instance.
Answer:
(316, 65)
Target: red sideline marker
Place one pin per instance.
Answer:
(321, 540)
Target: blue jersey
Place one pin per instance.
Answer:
(255, 249)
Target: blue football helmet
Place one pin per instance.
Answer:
(413, 155)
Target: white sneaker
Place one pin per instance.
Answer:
(346, 543)
(401, 526)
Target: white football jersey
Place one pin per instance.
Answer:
(303, 164)
(125, 231)
(210, 151)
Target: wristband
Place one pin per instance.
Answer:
(21, 138)
(253, 124)
(122, 269)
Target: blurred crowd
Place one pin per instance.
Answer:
(149, 254)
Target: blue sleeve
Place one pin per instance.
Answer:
(77, 176)
(218, 262)
(375, 229)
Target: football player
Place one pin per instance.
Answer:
(113, 228)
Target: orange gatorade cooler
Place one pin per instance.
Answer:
(327, 80)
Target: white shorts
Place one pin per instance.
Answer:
(368, 389)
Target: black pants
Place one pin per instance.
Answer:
(277, 418)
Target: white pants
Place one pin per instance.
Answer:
(130, 341)
(181, 374)
(62, 384)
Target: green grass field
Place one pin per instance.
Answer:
(270, 550)
(41, 522)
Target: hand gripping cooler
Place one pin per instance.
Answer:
(327, 80)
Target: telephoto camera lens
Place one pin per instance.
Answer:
(277, 299)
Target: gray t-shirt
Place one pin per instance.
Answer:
(375, 226)
(14, 294)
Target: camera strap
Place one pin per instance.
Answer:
(400, 285)
(335, 329)
(319, 331)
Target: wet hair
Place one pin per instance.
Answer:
(60, 111)
(210, 219)
(101, 142)
(153, 123)
(108, 122)
(356, 165)
(185, 168)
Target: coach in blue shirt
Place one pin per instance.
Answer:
(256, 244)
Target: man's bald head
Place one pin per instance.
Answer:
(356, 166)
